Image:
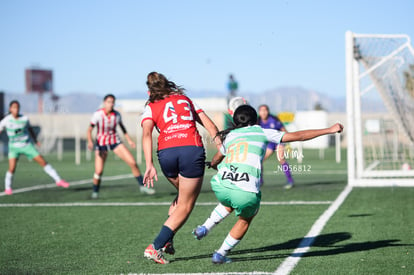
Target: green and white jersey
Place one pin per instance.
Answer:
(244, 149)
(17, 130)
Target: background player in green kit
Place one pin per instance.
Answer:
(18, 130)
(237, 182)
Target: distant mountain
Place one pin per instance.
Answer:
(280, 99)
(293, 99)
(190, 93)
(133, 95)
(72, 103)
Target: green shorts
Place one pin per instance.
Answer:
(29, 151)
(245, 204)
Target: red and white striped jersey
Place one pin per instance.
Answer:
(175, 116)
(106, 126)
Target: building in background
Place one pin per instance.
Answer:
(40, 82)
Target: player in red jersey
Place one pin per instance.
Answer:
(106, 120)
(180, 153)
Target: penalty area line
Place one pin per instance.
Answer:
(287, 265)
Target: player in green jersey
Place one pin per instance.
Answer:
(19, 133)
(239, 164)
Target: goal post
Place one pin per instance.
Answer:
(380, 109)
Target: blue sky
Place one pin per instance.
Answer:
(110, 46)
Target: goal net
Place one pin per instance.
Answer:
(380, 109)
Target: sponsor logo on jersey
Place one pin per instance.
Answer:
(232, 175)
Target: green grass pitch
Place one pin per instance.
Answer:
(371, 233)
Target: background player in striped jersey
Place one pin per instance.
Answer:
(180, 153)
(106, 120)
(237, 182)
(268, 121)
(19, 133)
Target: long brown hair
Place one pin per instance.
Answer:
(160, 87)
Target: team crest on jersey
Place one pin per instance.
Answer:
(232, 175)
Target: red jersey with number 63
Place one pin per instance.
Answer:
(175, 117)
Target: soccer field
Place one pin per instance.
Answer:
(318, 227)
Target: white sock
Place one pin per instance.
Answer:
(8, 180)
(51, 172)
(217, 215)
(228, 244)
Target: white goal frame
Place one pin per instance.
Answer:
(358, 174)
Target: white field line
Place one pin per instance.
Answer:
(125, 176)
(289, 263)
(73, 183)
(285, 268)
(71, 204)
(205, 273)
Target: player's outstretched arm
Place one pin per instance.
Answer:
(150, 171)
(89, 137)
(33, 135)
(128, 139)
(310, 134)
(212, 129)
